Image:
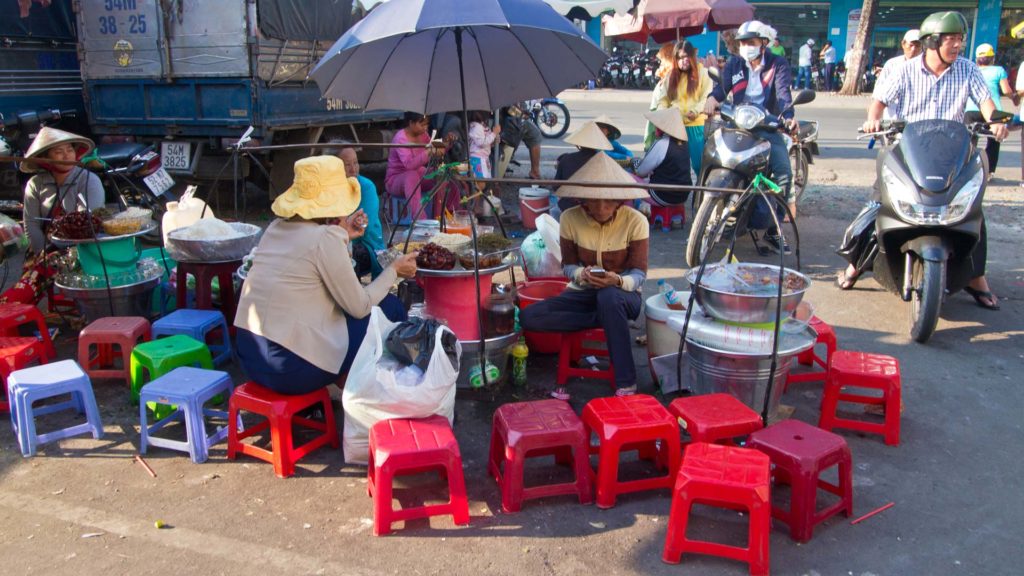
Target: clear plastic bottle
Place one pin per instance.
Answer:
(670, 295)
(520, 352)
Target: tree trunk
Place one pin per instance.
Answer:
(858, 61)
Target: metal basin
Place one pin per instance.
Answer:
(186, 250)
(128, 300)
(724, 297)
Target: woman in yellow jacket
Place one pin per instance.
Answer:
(687, 87)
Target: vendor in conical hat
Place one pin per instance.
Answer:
(604, 244)
(303, 312)
(619, 153)
(589, 139)
(58, 187)
(668, 161)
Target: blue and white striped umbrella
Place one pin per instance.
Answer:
(403, 56)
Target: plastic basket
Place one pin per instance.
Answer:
(118, 256)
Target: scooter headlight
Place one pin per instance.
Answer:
(911, 211)
(748, 117)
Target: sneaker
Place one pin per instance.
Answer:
(561, 394)
(626, 391)
(775, 241)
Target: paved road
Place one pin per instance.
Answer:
(83, 506)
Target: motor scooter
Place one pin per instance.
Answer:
(932, 180)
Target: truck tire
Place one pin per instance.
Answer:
(929, 281)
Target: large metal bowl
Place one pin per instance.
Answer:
(736, 303)
(185, 250)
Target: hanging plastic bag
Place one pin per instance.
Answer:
(379, 387)
(860, 237)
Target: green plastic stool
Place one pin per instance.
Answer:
(159, 357)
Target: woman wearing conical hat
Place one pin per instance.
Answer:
(58, 187)
(668, 161)
(604, 244)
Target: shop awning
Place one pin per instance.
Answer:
(666, 20)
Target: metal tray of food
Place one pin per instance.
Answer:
(103, 237)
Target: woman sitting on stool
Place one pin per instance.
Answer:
(303, 313)
(604, 255)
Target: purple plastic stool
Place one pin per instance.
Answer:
(189, 389)
(25, 387)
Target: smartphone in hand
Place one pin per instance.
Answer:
(597, 272)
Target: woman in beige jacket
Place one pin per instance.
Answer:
(303, 312)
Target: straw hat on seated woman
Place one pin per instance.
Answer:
(604, 245)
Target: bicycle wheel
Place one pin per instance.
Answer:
(553, 119)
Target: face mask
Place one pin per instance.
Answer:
(750, 53)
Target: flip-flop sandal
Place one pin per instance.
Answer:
(980, 297)
(627, 391)
(561, 394)
(844, 282)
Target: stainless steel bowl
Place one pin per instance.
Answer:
(731, 304)
(185, 250)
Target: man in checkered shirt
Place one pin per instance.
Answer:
(935, 86)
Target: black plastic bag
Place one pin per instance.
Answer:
(412, 342)
(860, 239)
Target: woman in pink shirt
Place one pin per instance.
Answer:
(406, 166)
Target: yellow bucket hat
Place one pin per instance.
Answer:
(321, 190)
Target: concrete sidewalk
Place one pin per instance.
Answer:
(618, 96)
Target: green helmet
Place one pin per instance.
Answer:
(943, 23)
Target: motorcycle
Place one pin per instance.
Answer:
(733, 156)
(803, 147)
(550, 115)
(932, 181)
(134, 174)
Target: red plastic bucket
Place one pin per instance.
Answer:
(453, 299)
(530, 293)
(533, 201)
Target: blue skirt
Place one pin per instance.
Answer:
(695, 142)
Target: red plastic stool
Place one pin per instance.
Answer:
(666, 214)
(205, 273)
(529, 429)
(729, 477)
(17, 353)
(800, 453)
(400, 447)
(573, 351)
(826, 336)
(124, 332)
(13, 316)
(863, 370)
(623, 423)
(280, 412)
(715, 418)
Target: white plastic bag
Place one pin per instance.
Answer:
(374, 391)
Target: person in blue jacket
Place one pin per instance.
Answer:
(619, 153)
(757, 76)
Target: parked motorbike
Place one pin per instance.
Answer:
(134, 175)
(551, 115)
(733, 156)
(803, 147)
(932, 181)
(16, 136)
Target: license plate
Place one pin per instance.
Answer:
(159, 182)
(614, 72)
(649, 73)
(814, 73)
(176, 155)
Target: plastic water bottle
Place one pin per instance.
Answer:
(670, 295)
(519, 354)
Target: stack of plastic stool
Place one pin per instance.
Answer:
(715, 418)
(13, 316)
(124, 332)
(197, 324)
(280, 411)
(411, 446)
(666, 215)
(541, 428)
(727, 477)
(204, 273)
(158, 357)
(800, 453)
(28, 386)
(189, 389)
(623, 423)
(18, 353)
(863, 370)
(826, 336)
(573, 351)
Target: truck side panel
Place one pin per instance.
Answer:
(199, 107)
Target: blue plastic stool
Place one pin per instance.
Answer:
(396, 205)
(197, 324)
(189, 389)
(28, 386)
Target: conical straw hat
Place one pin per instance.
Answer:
(601, 168)
(604, 121)
(669, 121)
(50, 137)
(589, 136)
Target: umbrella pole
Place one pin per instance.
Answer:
(472, 221)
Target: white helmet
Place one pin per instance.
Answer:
(5, 148)
(753, 29)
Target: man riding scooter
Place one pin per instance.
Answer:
(760, 77)
(934, 86)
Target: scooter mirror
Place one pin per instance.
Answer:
(803, 97)
(1000, 117)
(713, 73)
